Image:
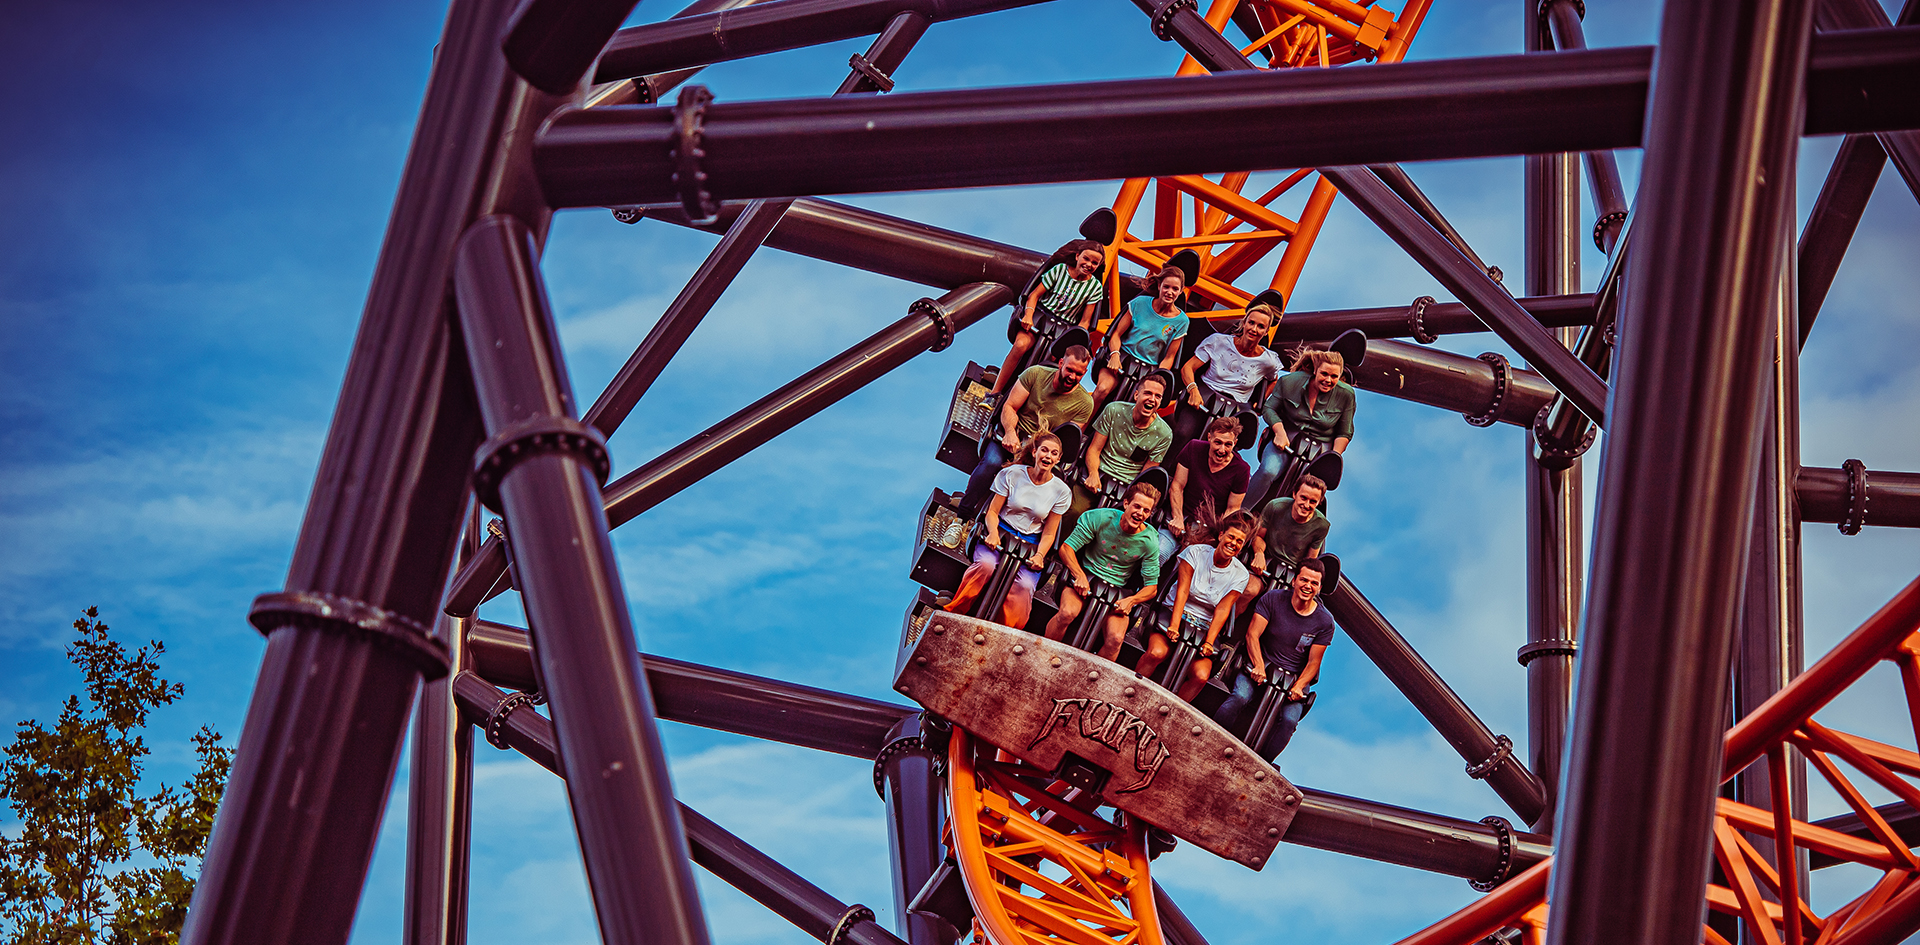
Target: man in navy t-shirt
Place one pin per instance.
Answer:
(1289, 634)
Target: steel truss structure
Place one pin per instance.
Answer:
(457, 399)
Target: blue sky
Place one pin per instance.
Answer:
(192, 199)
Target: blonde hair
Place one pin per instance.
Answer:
(1312, 359)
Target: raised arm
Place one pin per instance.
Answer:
(1182, 589)
(1176, 497)
(1010, 416)
(1188, 372)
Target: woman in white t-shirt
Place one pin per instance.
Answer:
(1205, 594)
(1028, 500)
(1238, 366)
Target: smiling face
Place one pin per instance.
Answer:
(1254, 327)
(1134, 514)
(1306, 587)
(1326, 376)
(1170, 289)
(1306, 501)
(1229, 544)
(1147, 396)
(1086, 264)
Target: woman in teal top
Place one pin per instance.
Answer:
(1149, 331)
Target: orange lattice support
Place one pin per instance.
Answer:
(1887, 913)
(1038, 869)
(1232, 231)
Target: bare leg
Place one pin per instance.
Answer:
(1070, 604)
(1018, 606)
(1248, 596)
(1103, 388)
(1022, 343)
(1116, 635)
(1156, 652)
(1196, 680)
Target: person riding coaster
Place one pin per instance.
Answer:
(1209, 483)
(1020, 526)
(1068, 292)
(1146, 337)
(1290, 531)
(1286, 642)
(1227, 373)
(1108, 550)
(1041, 399)
(1205, 596)
(1309, 419)
(1125, 440)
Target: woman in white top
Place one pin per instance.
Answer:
(1236, 366)
(1206, 593)
(1028, 500)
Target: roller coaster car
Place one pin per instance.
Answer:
(940, 553)
(1099, 726)
(1183, 651)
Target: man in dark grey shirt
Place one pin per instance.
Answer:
(1289, 635)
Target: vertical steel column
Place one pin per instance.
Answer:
(1769, 652)
(541, 469)
(440, 806)
(1561, 28)
(912, 792)
(348, 641)
(1696, 331)
(1554, 532)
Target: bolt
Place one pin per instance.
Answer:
(1092, 675)
(1259, 775)
(1054, 662)
(939, 629)
(1226, 752)
(1291, 799)
(1019, 649)
(1164, 710)
(1196, 730)
(1128, 690)
(979, 638)
(919, 661)
(1273, 831)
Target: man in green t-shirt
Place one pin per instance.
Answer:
(1111, 545)
(1127, 438)
(1291, 530)
(1042, 399)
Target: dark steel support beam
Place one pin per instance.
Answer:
(737, 33)
(1494, 757)
(648, 89)
(716, 698)
(1836, 214)
(1677, 491)
(930, 324)
(1769, 651)
(721, 853)
(1438, 318)
(1904, 820)
(1183, 24)
(301, 811)
(1555, 537)
(440, 806)
(1902, 147)
(911, 785)
(1564, 31)
(1891, 498)
(552, 43)
(1174, 924)
(1475, 288)
(1539, 103)
(540, 471)
(1402, 185)
(744, 236)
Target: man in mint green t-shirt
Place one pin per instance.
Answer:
(1111, 545)
(1129, 437)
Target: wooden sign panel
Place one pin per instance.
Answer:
(1166, 762)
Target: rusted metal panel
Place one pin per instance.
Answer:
(1166, 762)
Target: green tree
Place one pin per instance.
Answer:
(92, 860)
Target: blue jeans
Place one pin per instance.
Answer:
(1273, 466)
(980, 484)
(1244, 690)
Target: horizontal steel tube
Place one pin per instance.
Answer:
(689, 41)
(1458, 108)
(1434, 698)
(1406, 837)
(1449, 381)
(1904, 820)
(888, 245)
(1893, 498)
(724, 855)
(716, 698)
(1440, 318)
(807, 395)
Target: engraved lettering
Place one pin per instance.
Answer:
(1062, 711)
(1092, 729)
(1151, 767)
(1111, 727)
